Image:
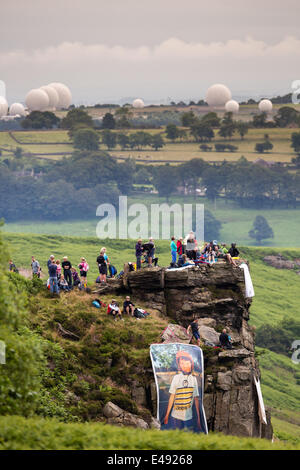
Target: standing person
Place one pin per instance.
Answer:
(83, 267)
(191, 246)
(102, 265)
(193, 328)
(173, 247)
(180, 251)
(66, 265)
(57, 262)
(138, 253)
(53, 278)
(150, 250)
(49, 262)
(35, 266)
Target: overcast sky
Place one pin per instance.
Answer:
(105, 50)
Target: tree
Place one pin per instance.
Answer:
(109, 138)
(172, 132)
(40, 120)
(123, 141)
(108, 121)
(86, 139)
(261, 229)
(165, 177)
(157, 141)
(211, 119)
(227, 126)
(201, 131)
(286, 116)
(76, 117)
(259, 120)
(242, 128)
(188, 119)
(296, 142)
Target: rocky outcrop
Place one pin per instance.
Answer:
(215, 295)
(279, 262)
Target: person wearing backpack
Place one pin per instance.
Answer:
(83, 267)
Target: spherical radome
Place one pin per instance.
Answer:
(265, 106)
(64, 95)
(16, 109)
(3, 106)
(52, 95)
(37, 100)
(232, 106)
(138, 103)
(217, 95)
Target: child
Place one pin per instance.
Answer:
(57, 262)
(75, 277)
(84, 267)
(63, 283)
(183, 393)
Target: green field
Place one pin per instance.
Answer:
(35, 142)
(236, 222)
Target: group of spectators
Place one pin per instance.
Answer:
(225, 341)
(187, 252)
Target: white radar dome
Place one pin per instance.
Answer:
(64, 95)
(138, 103)
(3, 106)
(52, 95)
(265, 106)
(37, 100)
(232, 106)
(16, 109)
(217, 95)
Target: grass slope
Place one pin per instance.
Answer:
(38, 434)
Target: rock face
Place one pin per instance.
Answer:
(215, 295)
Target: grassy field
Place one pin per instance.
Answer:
(236, 222)
(36, 142)
(41, 434)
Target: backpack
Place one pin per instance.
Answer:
(120, 275)
(113, 270)
(140, 313)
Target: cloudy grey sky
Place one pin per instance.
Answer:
(105, 50)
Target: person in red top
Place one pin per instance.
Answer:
(179, 251)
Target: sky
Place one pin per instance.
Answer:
(157, 50)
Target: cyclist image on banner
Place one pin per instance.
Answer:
(178, 371)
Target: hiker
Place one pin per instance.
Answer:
(128, 306)
(66, 265)
(224, 339)
(183, 393)
(193, 328)
(149, 248)
(35, 266)
(191, 246)
(138, 253)
(173, 247)
(180, 251)
(12, 267)
(114, 310)
(57, 262)
(102, 265)
(84, 267)
(49, 262)
(233, 251)
(53, 277)
(63, 284)
(75, 278)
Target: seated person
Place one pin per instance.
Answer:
(128, 306)
(224, 253)
(186, 262)
(225, 340)
(75, 277)
(154, 260)
(233, 251)
(210, 254)
(63, 283)
(114, 310)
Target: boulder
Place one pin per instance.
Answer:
(279, 262)
(115, 415)
(235, 354)
(175, 334)
(224, 380)
(209, 334)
